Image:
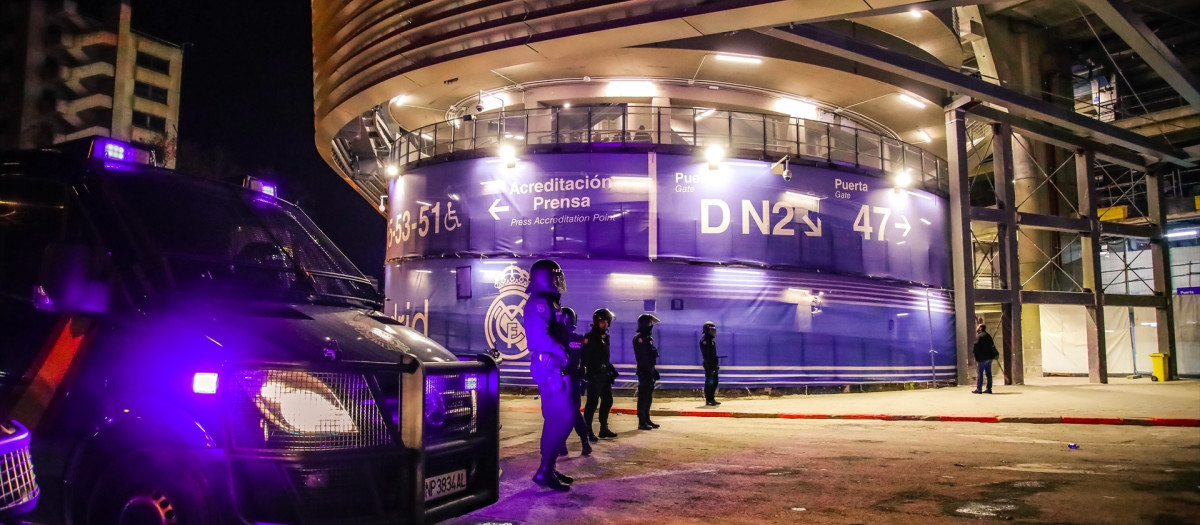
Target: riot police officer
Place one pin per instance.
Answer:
(597, 364)
(647, 357)
(548, 356)
(574, 369)
(708, 350)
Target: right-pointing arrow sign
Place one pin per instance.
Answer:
(816, 228)
(495, 208)
(906, 226)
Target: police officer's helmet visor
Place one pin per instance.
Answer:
(546, 276)
(603, 314)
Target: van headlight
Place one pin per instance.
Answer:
(300, 403)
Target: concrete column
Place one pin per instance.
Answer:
(126, 63)
(1032, 247)
(1022, 66)
(961, 253)
(661, 129)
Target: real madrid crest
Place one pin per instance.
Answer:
(502, 326)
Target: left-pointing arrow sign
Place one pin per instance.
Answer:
(495, 207)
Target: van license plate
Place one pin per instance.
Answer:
(443, 484)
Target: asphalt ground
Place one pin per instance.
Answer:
(696, 470)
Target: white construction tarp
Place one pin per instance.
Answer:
(1187, 334)
(1064, 338)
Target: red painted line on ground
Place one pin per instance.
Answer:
(626, 411)
(860, 416)
(970, 419)
(802, 416)
(1092, 420)
(903, 418)
(1174, 422)
(690, 413)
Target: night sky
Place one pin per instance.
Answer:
(247, 98)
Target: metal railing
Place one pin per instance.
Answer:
(743, 134)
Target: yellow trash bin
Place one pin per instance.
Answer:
(1160, 366)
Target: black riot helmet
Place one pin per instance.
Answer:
(546, 276)
(707, 326)
(570, 318)
(603, 314)
(646, 322)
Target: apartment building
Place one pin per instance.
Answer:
(75, 69)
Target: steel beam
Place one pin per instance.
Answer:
(1089, 255)
(979, 213)
(1061, 137)
(1053, 223)
(1046, 297)
(961, 252)
(1118, 229)
(996, 295)
(1161, 258)
(1135, 301)
(1013, 352)
(1130, 27)
(935, 75)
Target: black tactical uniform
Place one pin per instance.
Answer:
(574, 370)
(548, 356)
(600, 372)
(708, 350)
(647, 358)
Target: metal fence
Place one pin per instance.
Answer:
(742, 134)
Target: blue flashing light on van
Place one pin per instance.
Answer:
(184, 346)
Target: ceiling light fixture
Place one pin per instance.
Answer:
(714, 154)
(912, 100)
(740, 59)
(508, 155)
(925, 136)
(630, 88)
(796, 108)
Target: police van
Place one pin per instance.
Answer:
(186, 351)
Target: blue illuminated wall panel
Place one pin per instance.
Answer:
(829, 287)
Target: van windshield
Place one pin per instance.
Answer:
(231, 241)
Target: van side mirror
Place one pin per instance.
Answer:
(67, 282)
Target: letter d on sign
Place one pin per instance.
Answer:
(705, 204)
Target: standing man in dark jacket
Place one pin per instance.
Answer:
(544, 331)
(985, 351)
(600, 372)
(708, 350)
(647, 357)
(574, 369)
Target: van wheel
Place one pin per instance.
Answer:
(151, 489)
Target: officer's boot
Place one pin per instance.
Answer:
(591, 436)
(587, 447)
(604, 431)
(545, 476)
(562, 478)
